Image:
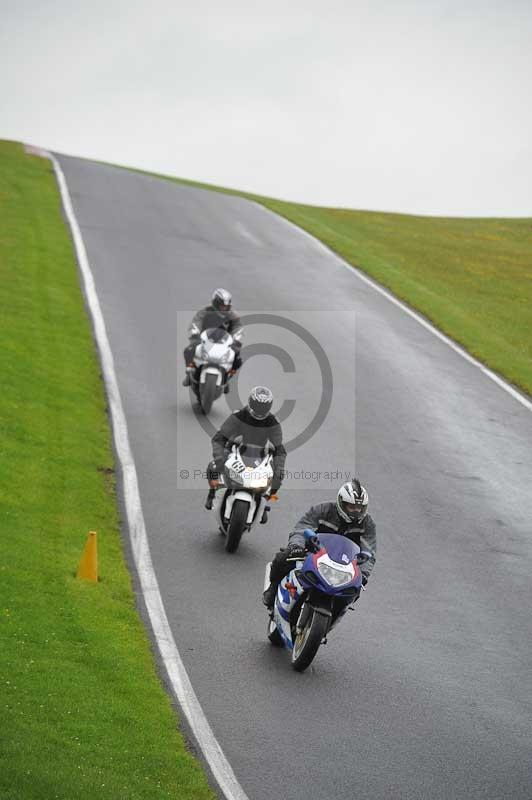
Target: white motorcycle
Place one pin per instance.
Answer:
(247, 480)
(213, 360)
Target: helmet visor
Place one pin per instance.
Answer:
(354, 510)
(259, 413)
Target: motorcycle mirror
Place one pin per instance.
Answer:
(312, 540)
(238, 440)
(363, 556)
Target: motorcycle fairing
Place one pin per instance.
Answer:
(243, 471)
(285, 602)
(215, 349)
(338, 551)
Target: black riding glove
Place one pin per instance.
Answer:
(296, 551)
(213, 473)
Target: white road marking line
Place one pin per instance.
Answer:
(218, 763)
(389, 296)
(243, 231)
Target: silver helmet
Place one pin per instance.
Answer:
(221, 301)
(352, 501)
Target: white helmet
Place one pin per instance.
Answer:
(221, 301)
(352, 501)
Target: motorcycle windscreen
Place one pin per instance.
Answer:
(217, 335)
(252, 454)
(339, 548)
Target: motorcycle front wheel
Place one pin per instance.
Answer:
(207, 393)
(237, 525)
(307, 642)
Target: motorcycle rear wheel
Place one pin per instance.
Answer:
(307, 642)
(237, 525)
(207, 393)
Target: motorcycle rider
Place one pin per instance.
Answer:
(219, 314)
(256, 425)
(347, 516)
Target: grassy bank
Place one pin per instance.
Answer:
(471, 277)
(83, 712)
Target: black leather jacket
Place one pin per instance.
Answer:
(208, 317)
(253, 431)
(324, 518)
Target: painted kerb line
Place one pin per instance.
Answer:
(218, 763)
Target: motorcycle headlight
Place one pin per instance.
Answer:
(260, 483)
(334, 577)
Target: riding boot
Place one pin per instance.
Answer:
(268, 596)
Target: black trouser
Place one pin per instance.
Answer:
(280, 566)
(212, 472)
(188, 353)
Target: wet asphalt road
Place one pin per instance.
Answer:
(425, 691)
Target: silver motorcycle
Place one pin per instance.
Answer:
(246, 481)
(213, 361)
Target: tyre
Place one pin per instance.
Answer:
(207, 393)
(307, 642)
(273, 634)
(237, 525)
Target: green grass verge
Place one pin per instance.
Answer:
(471, 277)
(83, 712)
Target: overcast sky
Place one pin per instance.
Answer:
(421, 106)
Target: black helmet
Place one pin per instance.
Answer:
(352, 501)
(260, 402)
(221, 301)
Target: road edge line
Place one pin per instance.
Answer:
(177, 674)
(388, 294)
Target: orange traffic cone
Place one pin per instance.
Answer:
(88, 565)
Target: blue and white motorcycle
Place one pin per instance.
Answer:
(315, 595)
